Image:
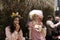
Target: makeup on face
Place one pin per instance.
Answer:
(16, 20)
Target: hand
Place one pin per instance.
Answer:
(17, 27)
(15, 35)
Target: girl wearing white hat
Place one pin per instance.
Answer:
(36, 29)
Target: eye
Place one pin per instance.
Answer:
(17, 19)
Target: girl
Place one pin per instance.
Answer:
(36, 29)
(13, 30)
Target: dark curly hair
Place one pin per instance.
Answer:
(11, 25)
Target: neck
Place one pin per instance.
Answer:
(37, 22)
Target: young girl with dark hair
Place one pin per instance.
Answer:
(13, 30)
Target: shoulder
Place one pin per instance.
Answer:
(7, 28)
(48, 22)
(30, 23)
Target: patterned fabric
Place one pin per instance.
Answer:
(13, 36)
(35, 35)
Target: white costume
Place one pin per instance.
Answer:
(51, 24)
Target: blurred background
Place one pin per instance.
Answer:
(49, 7)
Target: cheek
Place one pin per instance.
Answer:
(15, 22)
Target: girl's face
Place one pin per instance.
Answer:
(36, 17)
(16, 20)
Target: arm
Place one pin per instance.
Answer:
(15, 35)
(21, 34)
(30, 27)
(52, 25)
(8, 33)
(44, 31)
(29, 33)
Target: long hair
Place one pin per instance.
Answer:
(11, 25)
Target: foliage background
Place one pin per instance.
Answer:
(23, 7)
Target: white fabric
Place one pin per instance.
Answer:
(57, 18)
(44, 31)
(14, 35)
(38, 27)
(51, 24)
(37, 12)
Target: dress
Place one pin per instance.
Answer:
(35, 33)
(14, 35)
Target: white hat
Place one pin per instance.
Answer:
(37, 12)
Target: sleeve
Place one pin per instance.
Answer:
(21, 34)
(44, 31)
(30, 24)
(52, 25)
(29, 33)
(15, 35)
(8, 33)
(30, 27)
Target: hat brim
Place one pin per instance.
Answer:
(37, 12)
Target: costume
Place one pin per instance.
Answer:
(13, 36)
(35, 29)
(37, 32)
(50, 29)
